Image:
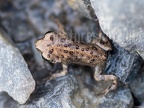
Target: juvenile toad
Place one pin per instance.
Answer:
(56, 47)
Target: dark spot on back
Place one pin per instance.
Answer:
(65, 51)
(92, 60)
(51, 51)
(77, 47)
(94, 48)
(96, 56)
(105, 55)
(65, 45)
(69, 59)
(91, 52)
(57, 57)
(71, 52)
(62, 56)
(102, 42)
(82, 49)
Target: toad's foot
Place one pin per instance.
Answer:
(112, 78)
(62, 73)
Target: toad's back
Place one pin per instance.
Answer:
(58, 48)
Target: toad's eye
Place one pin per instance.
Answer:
(51, 38)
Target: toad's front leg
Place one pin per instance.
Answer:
(99, 77)
(103, 41)
(62, 73)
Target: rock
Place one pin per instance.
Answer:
(87, 94)
(75, 90)
(121, 99)
(6, 101)
(137, 88)
(54, 94)
(21, 21)
(70, 91)
(122, 21)
(125, 65)
(15, 76)
(80, 6)
(23, 31)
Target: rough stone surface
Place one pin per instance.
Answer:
(79, 6)
(71, 91)
(122, 21)
(120, 99)
(6, 101)
(137, 87)
(15, 77)
(124, 64)
(75, 90)
(54, 94)
(88, 94)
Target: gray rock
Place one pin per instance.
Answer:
(80, 6)
(121, 99)
(88, 94)
(6, 101)
(125, 65)
(54, 94)
(67, 91)
(137, 87)
(74, 91)
(15, 76)
(122, 21)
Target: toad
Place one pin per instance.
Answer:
(58, 48)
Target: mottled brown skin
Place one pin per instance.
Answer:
(58, 48)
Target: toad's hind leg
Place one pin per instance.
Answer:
(99, 77)
(62, 73)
